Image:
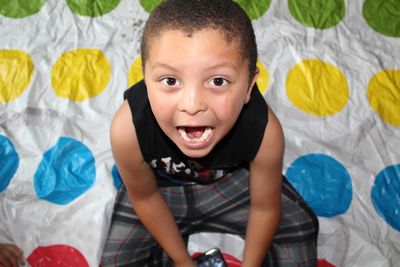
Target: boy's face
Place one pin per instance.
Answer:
(197, 87)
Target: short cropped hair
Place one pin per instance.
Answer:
(190, 16)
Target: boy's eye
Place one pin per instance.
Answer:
(170, 81)
(218, 81)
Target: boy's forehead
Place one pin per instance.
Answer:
(212, 33)
(205, 40)
(207, 48)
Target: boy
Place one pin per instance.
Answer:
(204, 152)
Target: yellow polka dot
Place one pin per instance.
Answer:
(16, 70)
(263, 77)
(317, 87)
(135, 72)
(384, 95)
(80, 74)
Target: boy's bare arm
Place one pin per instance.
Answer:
(143, 192)
(265, 194)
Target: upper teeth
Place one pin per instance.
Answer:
(206, 134)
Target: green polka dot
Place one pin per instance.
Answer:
(383, 16)
(92, 8)
(320, 14)
(254, 8)
(149, 5)
(20, 8)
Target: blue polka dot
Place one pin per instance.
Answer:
(9, 162)
(323, 182)
(66, 171)
(116, 177)
(385, 195)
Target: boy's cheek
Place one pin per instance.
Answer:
(163, 106)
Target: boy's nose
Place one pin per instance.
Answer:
(192, 101)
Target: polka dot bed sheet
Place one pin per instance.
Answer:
(329, 69)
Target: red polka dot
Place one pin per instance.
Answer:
(231, 260)
(57, 256)
(324, 263)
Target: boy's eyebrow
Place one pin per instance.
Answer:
(217, 66)
(223, 65)
(164, 66)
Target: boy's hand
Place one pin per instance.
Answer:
(10, 255)
(186, 264)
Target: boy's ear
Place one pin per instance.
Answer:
(252, 81)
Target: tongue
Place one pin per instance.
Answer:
(194, 132)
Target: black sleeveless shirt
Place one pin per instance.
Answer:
(235, 150)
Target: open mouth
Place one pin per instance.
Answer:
(195, 135)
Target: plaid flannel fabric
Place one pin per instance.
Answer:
(219, 207)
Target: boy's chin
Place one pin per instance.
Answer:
(195, 153)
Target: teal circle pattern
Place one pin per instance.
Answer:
(323, 182)
(66, 171)
(385, 195)
(9, 162)
(116, 177)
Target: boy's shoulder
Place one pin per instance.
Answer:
(137, 88)
(121, 128)
(122, 131)
(136, 97)
(124, 141)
